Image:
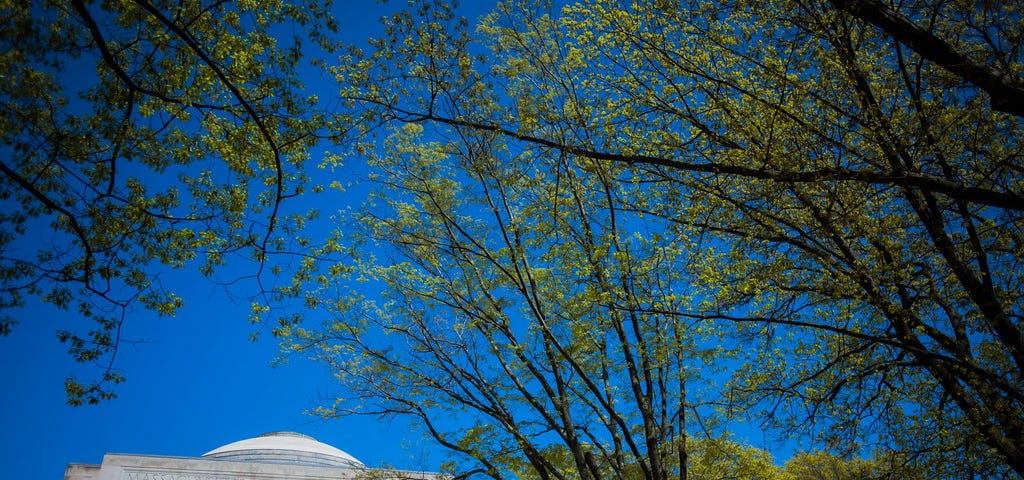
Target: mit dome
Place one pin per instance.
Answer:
(285, 447)
(275, 455)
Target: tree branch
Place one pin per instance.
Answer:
(931, 183)
(1005, 95)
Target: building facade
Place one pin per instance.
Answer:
(271, 456)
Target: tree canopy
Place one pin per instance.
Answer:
(584, 207)
(142, 135)
(600, 233)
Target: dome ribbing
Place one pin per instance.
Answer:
(284, 447)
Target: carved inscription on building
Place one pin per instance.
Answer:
(171, 476)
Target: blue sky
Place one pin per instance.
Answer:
(194, 384)
(194, 381)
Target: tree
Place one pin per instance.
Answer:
(825, 466)
(140, 135)
(850, 196)
(498, 324)
(716, 459)
(721, 458)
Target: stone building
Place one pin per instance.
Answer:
(271, 456)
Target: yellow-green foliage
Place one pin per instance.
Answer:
(141, 135)
(837, 211)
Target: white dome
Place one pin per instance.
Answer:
(284, 447)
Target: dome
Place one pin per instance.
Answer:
(284, 447)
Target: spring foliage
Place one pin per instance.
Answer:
(588, 215)
(599, 233)
(138, 136)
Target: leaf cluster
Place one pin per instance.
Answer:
(138, 136)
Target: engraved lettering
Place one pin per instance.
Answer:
(170, 476)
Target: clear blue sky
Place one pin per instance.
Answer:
(195, 381)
